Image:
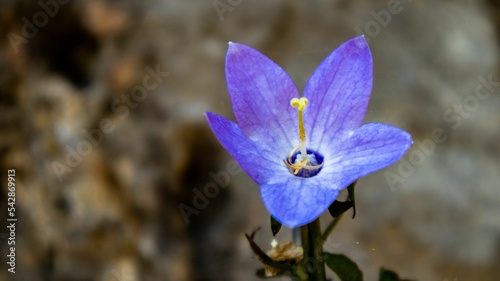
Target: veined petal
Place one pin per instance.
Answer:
(297, 201)
(338, 93)
(261, 165)
(371, 147)
(260, 93)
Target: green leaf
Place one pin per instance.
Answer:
(387, 275)
(275, 226)
(352, 198)
(337, 208)
(344, 267)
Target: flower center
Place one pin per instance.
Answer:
(301, 161)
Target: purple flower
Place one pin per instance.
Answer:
(303, 151)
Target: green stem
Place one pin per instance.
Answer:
(330, 227)
(317, 247)
(304, 237)
(312, 244)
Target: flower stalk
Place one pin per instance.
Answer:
(312, 244)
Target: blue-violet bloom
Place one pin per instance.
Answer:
(303, 150)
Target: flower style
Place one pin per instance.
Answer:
(303, 150)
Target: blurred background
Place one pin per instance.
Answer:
(101, 116)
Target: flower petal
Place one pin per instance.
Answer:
(338, 93)
(259, 164)
(297, 201)
(260, 93)
(370, 148)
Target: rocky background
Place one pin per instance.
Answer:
(101, 116)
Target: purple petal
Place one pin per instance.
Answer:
(338, 93)
(297, 201)
(259, 164)
(260, 93)
(370, 148)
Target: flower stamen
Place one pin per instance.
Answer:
(300, 104)
(298, 158)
